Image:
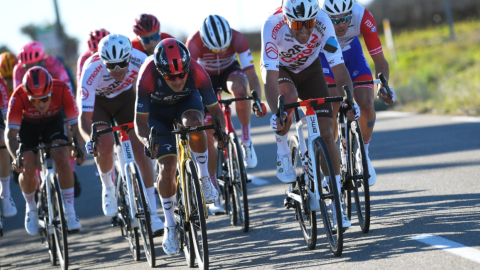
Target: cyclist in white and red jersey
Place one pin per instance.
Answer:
(93, 39)
(292, 37)
(351, 20)
(147, 29)
(34, 112)
(107, 92)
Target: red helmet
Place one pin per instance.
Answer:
(171, 57)
(95, 37)
(31, 53)
(37, 82)
(146, 24)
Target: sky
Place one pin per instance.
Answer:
(178, 18)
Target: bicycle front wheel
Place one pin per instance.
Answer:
(142, 214)
(59, 223)
(238, 176)
(196, 213)
(46, 238)
(329, 197)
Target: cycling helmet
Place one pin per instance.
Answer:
(171, 57)
(31, 53)
(7, 62)
(146, 24)
(37, 82)
(300, 10)
(337, 7)
(95, 37)
(115, 48)
(215, 32)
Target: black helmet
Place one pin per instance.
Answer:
(171, 57)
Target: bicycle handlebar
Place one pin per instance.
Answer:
(385, 84)
(382, 80)
(256, 101)
(21, 150)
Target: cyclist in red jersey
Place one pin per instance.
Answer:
(147, 29)
(216, 46)
(94, 38)
(34, 111)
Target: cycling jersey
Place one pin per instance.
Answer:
(50, 63)
(20, 107)
(80, 62)
(216, 64)
(3, 97)
(280, 48)
(137, 45)
(153, 93)
(96, 80)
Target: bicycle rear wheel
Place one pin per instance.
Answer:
(360, 176)
(238, 176)
(306, 218)
(142, 214)
(329, 200)
(59, 223)
(198, 227)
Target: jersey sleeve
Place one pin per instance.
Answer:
(369, 31)
(330, 46)
(241, 47)
(89, 80)
(3, 97)
(69, 105)
(269, 60)
(15, 110)
(195, 52)
(203, 84)
(80, 63)
(145, 86)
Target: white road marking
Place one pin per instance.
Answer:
(257, 181)
(468, 119)
(449, 246)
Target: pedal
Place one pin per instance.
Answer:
(158, 233)
(249, 181)
(115, 222)
(287, 203)
(73, 231)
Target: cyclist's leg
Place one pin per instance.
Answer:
(8, 206)
(333, 91)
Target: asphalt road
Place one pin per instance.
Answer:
(427, 184)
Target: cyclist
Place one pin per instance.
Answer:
(174, 86)
(350, 20)
(93, 39)
(34, 111)
(147, 29)
(292, 36)
(8, 206)
(107, 91)
(7, 63)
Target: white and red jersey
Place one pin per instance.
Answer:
(80, 62)
(20, 108)
(215, 64)
(51, 64)
(362, 23)
(96, 80)
(280, 48)
(3, 97)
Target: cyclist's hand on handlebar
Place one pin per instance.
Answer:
(382, 95)
(275, 122)
(90, 147)
(79, 159)
(257, 112)
(221, 144)
(148, 151)
(15, 166)
(354, 113)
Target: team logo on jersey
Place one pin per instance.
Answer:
(84, 93)
(374, 29)
(271, 50)
(331, 46)
(326, 70)
(355, 73)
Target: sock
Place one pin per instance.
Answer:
(339, 185)
(106, 178)
(168, 207)
(202, 163)
(72, 163)
(30, 199)
(68, 200)
(152, 201)
(5, 187)
(366, 145)
(213, 178)
(282, 145)
(246, 138)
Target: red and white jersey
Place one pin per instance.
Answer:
(362, 23)
(215, 64)
(96, 80)
(280, 48)
(51, 64)
(137, 45)
(20, 107)
(80, 62)
(3, 97)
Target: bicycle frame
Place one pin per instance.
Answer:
(48, 168)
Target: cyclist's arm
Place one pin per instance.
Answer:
(342, 77)
(272, 90)
(216, 112)
(141, 127)
(253, 81)
(381, 65)
(11, 141)
(85, 120)
(81, 142)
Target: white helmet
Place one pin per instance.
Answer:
(216, 32)
(337, 7)
(115, 48)
(300, 10)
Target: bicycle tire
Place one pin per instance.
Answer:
(45, 237)
(335, 240)
(185, 240)
(142, 214)
(239, 182)
(360, 176)
(306, 219)
(197, 222)
(59, 222)
(223, 179)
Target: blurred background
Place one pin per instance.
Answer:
(434, 52)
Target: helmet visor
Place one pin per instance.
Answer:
(121, 65)
(297, 25)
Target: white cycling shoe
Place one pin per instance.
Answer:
(217, 207)
(210, 193)
(157, 223)
(73, 223)
(345, 221)
(285, 170)
(170, 241)
(249, 155)
(109, 202)
(373, 175)
(8, 207)
(31, 222)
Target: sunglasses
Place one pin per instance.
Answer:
(297, 25)
(44, 99)
(147, 40)
(121, 65)
(173, 77)
(220, 50)
(341, 19)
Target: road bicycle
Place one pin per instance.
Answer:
(232, 176)
(52, 219)
(354, 169)
(133, 205)
(190, 209)
(312, 162)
